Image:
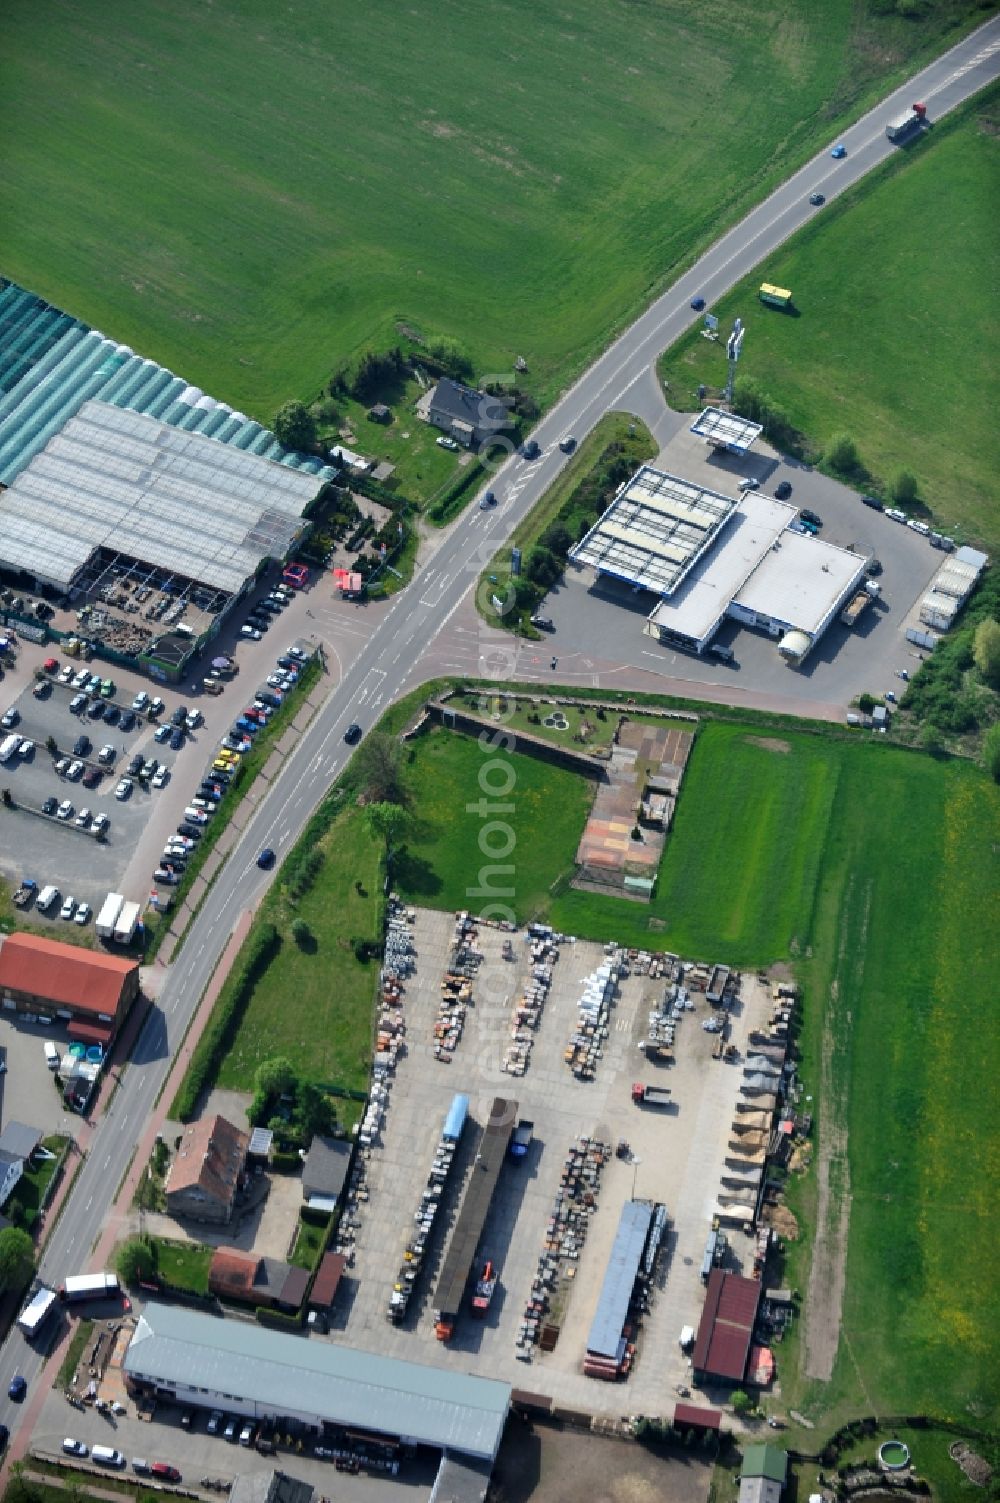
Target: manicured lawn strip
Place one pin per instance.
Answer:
(571, 500)
(74, 1352)
(527, 196)
(313, 1003)
(843, 363)
(309, 1243)
(517, 715)
(452, 845)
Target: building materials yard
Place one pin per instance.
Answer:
(676, 1157)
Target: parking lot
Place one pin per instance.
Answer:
(27, 1092)
(598, 621)
(54, 851)
(677, 1157)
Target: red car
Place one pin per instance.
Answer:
(50, 665)
(166, 1471)
(295, 575)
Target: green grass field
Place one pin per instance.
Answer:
(249, 193)
(313, 1005)
(450, 845)
(892, 336)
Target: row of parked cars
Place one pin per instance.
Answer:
(264, 612)
(109, 1456)
(214, 785)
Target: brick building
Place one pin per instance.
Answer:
(87, 990)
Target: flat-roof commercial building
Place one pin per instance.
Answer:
(210, 1363)
(90, 991)
(692, 614)
(654, 531)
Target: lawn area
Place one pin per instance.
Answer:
(30, 1189)
(309, 1241)
(184, 1265)
(282, 185)
(444, 862)
(560, 723)
(313, 1004)
(890, 351)
(928, 1455)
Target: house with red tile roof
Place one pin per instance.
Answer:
(206, 1170)
(86, 990)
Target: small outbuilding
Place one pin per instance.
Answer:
(324, 1172)
(763, 1474)
(380, 413)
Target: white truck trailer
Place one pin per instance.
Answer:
(108, 916)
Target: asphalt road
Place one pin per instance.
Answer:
(380, 670)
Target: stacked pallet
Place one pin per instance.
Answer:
(528, 1007)
(566, 1233)
(456, 988)
(586, 1042)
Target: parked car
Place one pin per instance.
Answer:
(101, 823)
(230, 1430)
(166, 1471)
(253, 632)
(111, 713)
(83, 913)
(141, 701)
(95, 709)
(77, 703)
(65, 675)
(873, 568)
(160, 777)
(155, 706)
(65, 810)
(83, 818)
(447, 443)
(74, 770)
(80, 678)
(749, 484)
(82, 746)
(214, 1421)
(188, 830)
(176, 740)
(810, 517)
(68, 908)
(74, 1447)
(50, 805)
(135, 766)
(26, 750)
(193, 719)
(783, 490)
(42, 689)
(149, 769)
(127, 721)
(123, 788)
(91, 777)
(162, 733)
(106, 754)
(246, 1435)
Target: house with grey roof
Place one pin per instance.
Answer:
(17, 1144)
(467, 416)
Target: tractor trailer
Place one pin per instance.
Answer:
(905, 126)
(650, 1095)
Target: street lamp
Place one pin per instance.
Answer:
(635, 1170)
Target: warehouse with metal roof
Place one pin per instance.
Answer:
(654, 531)
(722, 1345)
(52, 363)
(234, 1365)
(606, 1339)
(133, 486)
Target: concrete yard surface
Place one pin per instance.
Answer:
(676, 1156)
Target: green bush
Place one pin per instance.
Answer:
(260, 949)
(285, 1163)
(279, 1320)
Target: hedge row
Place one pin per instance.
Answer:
(260, 949)
(279, 1320)
(450, 504)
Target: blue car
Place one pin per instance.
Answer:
(697, 303)
(838, 152)
(176, 740)
(266, 858)
(18, 1388)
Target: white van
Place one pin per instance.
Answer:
(47, 898)
(51, 1055)
(107, 1456)
(9, 747)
